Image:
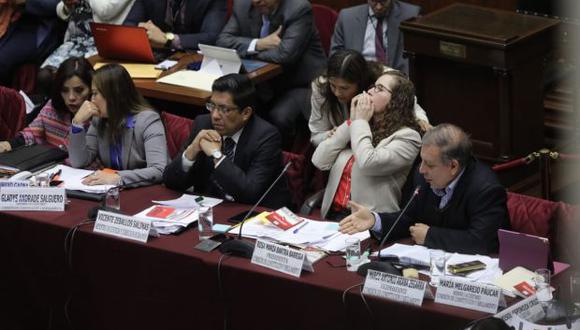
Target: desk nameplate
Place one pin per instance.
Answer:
(279, 258)
(122, 226)
(469, 295)
(396, 288)
(32, 199)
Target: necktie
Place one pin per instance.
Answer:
(229, 145)
(265, 30)
(380, 52)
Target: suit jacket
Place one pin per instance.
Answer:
(300, 51)
(144, 154)
(204, 19)
(257, 163)
(378, 174)
(470, 220)
(352, 23)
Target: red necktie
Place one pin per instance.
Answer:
(380, 52)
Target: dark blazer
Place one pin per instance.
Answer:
(257, 163)
(300, 51)
(470, 220)
(351, 25)
(204, 19)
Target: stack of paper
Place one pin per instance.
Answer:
(72, 179)
(174, 215)
(419, 254)
(319, 234)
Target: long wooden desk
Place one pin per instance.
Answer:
(167, 284)
(151, 88)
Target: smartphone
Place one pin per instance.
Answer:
(466, 267)
(240, 216)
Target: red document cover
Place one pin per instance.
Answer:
(284, 218)
(161, 212)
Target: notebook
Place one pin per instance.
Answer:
(122, 42)
(519, 249)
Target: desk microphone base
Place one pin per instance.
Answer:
(238, 248)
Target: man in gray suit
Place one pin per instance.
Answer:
(283, 32)
(356, 28)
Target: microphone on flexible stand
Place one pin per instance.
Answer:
(93, 211)
(239, 247)
(385, 266)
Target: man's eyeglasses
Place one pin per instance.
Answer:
(210, 106)
(380, 88)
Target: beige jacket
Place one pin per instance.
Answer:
(378, 173)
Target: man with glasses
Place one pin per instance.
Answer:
(373, 30)
(459, 206)
(231, 153)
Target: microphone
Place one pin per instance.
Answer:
(239, 247)
(92, 213)
(385, 266)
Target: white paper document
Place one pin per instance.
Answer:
(72, 179)
(168, 219)
(191, 201)
(419, 254)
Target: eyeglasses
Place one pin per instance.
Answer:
(210, 106)
(380, 88)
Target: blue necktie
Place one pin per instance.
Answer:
(265, 30)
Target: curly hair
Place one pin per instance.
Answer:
(399, 111)
(350, 66)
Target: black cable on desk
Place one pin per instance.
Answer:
(221, 290)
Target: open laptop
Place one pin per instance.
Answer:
(122, 42)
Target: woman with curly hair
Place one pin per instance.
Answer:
(347, 74)
(370, 155)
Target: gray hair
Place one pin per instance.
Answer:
(452, 141)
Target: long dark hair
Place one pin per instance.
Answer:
(72, 67)
(399, 111)
(122, 97)
(350, 66)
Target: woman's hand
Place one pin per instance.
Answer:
(5, 146)
(87, 110)
(102, 177)
(362, 107)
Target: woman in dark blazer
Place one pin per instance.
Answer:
(125, 133)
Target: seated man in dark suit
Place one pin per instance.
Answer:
(179, 24)
(460, 203)
(283, 32)
(357, 27)
(231, 153)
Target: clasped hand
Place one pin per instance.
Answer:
(271, 41)
(207, 140)
(154, 33)
(362, 107)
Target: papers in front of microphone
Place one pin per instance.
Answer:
(418, 254)
(323, 235)
(168, 219)
(72, 179)
(189, 201)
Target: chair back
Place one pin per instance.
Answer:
(325, 20)
(177, 131)
(295, 176)
(12, 113)
(532, 215)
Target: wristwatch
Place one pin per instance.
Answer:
(169, 37)
(217, 154)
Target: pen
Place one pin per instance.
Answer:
(55, 174)
(300, 227)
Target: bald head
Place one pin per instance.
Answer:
(452, 142)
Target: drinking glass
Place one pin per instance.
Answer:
(542, 282)
(113, 198)
(205, 222)
(437, 262)
(353, 254)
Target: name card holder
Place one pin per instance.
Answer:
(32, 199)
(396, 288)
(469, 295)
(280, 258)
(528, 309)
(122, 226)
(14, 184)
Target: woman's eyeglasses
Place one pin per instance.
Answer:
(380, 88)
